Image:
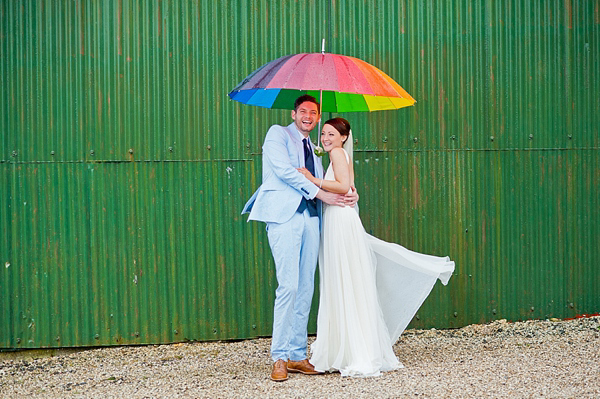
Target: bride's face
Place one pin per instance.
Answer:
(331, 138)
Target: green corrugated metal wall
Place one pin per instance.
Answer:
(125, 166)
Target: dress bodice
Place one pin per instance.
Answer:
(329, 175)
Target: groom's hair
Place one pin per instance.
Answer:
(305, 98)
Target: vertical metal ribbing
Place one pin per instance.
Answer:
(125, 165)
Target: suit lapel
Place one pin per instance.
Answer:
(320, 167)
(300, 152)
(298, 143)
(317, 162)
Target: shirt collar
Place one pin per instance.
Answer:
(294, 128)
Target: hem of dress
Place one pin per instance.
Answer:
(358, 374)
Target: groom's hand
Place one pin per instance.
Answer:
(352, 198)
(331, 198)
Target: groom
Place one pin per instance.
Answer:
(290, 205)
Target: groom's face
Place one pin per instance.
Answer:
(306, 117)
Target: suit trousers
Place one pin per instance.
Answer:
(295, 248)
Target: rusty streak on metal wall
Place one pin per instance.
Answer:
(125, 166)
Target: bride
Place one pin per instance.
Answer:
(370, 289)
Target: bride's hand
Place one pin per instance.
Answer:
(306, 174)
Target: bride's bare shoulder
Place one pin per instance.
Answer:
(338, 157)
(337, 152)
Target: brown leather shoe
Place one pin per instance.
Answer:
(279, 372)
(303, 366)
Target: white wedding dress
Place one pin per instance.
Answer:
(369, 292)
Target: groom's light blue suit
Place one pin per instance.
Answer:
(293, 236)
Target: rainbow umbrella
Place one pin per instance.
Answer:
(344, 84)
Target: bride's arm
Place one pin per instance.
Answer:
(341, 170)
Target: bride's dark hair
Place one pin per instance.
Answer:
(341, 125)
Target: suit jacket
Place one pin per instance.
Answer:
(283, 187)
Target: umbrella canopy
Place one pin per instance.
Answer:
(346, 84)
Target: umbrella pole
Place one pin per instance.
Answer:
(321, 100)
(320, 115)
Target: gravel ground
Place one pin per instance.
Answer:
(551, 358)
